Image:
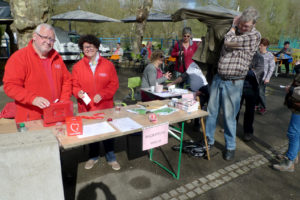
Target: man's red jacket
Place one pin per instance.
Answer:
(25, 79)
(104, 82)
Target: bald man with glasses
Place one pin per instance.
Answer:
(36, 76)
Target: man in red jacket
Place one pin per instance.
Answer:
(36, 76)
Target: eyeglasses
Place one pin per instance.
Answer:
(46, 38)
(90, 47)
(186, 36)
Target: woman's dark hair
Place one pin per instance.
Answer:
(91, 39)
(286, 42)
(156, 54)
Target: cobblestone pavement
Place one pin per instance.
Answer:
(222, 176)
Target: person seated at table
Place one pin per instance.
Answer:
(97, 77)
(153, 74)
(285, 54)
(197, 84)
(118, 51)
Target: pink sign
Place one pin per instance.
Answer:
(188, 96)
(155, 136)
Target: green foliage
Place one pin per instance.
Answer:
(277, 17)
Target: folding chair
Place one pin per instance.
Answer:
(134, 82)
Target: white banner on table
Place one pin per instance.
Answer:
(96, 129)
(125, 124)
(155, 136)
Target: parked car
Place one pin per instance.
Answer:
(66, 45)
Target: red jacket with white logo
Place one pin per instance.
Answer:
(25, 79)
(104, 82)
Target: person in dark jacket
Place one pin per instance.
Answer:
(292, 101)
(251, 93)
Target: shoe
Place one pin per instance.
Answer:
(229, 155)
(285, 166)
(247, 137)
(283, 156)
(257, 108)
(115, 165)
(90, 163)
(262, 111)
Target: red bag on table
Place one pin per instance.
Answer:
(9, 111)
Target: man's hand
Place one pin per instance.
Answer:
(266, 82)
(81, 94)
(236, 20)
(41, 102)
(287, 89)
(97, 98)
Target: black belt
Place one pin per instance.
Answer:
(230, 79)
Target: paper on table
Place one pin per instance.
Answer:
(96, 129)
(125, 124)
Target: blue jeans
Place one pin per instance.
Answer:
(226, 95)
(294, 137)
(108, 147)
(262, 95)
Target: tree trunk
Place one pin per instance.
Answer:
(141, 18)
(27, 15)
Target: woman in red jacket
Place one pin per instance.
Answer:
(97, 77)
(183, 51)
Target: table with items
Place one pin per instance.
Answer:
(111, 123)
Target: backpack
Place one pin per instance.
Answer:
(290, 101)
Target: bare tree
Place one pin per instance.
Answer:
(27, 15)
(141, 18)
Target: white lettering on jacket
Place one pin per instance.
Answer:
(102, 74)
(57, 66)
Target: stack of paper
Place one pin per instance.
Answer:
(188, 105)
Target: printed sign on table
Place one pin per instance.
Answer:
(155, 136)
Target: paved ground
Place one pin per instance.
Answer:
(249, 176)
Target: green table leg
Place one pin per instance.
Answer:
(181, 131)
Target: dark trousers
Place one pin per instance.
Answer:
(204, 97)
(287, 66)
(250, 101)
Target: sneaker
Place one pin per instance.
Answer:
(285, 166)
(262, 111)
(115, 165)
(283, 156)
(90, 163)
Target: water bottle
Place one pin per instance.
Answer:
(22, 127)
